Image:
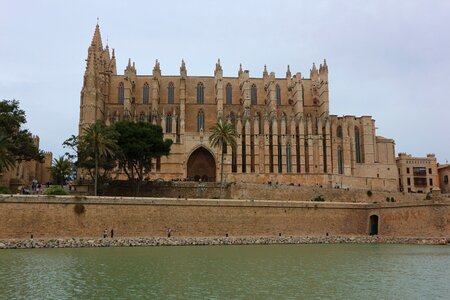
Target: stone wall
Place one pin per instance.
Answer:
(66, 216)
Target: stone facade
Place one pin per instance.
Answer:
(285, 131)
(417, 174)
(25, 171)
(444, 175)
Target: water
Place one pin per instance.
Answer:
(228, 272)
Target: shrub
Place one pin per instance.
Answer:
(5, 190)
(318, 198)
(79, 209)
(55, 190)
(369, 193)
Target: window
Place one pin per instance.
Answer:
(121, 93)
(357, 145)
(170, 93)
(200, 93)
(429, 171)
(445, 178)
(408, 181)
(340, 161)
(407, 170)
(419, 171)
(253, 94)
(142, 117)
(288, 158)
(229, 94)
(200, 120)
(146, 95)
(169, 123)
(431, 181)
(232, 119)
(339, 131)
(278, 94)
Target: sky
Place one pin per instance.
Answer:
(386, 59)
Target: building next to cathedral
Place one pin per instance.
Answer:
(285, 131)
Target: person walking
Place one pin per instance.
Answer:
(112, 233)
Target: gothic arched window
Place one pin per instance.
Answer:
(200, 120)
(340, 160)
(121, 93)
(229, 95)
(339, 131)
(169, 123)
(200, 93)
(278, 94)
(146, 95)
(288, 158)
(170, 93)
(253, 95)
(357, 145)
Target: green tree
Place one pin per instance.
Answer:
(20, 144)
(222, 134)
(139, 143)
(98, 144)
(7, 159)
(61, 170)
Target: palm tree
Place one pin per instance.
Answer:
(61, 168)
(99, 141)
(222, 134)
(7, 159)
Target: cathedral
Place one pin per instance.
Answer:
(285, 132)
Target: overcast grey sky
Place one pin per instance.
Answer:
(387, 59)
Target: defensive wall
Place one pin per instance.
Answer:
(69, 216)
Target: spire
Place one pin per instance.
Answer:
(288, 72)
(314, 73)
(97, 39)
(183, 71)
(157, 69)
(240, 70)
(113, 53)
(129, 63)
(265, 73)
(218, 66)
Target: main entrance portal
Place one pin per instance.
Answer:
(201, 165)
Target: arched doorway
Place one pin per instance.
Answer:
(373, 225)
(201, 165)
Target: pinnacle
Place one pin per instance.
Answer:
(97, 39)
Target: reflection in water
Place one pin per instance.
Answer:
(238, 272)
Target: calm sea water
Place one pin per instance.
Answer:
(228, 272)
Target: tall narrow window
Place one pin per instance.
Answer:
(229, 94)
(297, 147)
(170, 93)
(278, 94)
(200, 121)
(339, 131)
(169, 123)
(146, 94)
(270, 149)
(340, 160)
(252, 153)
(233, 160)
(121, 93)
(253, 95)
(357, 145)
(244, 151)
(200, 93)
(288, 158)
(280, 156)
